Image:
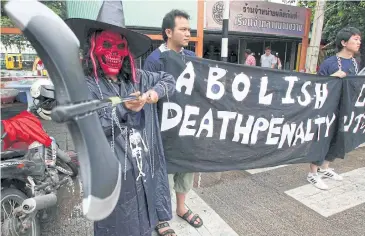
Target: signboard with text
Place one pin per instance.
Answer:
(258, 17)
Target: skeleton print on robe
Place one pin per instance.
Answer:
(145, 195)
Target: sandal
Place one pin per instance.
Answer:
(193, 219)
(166, 232)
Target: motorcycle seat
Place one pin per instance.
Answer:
(9, 154)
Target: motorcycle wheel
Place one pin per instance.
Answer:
(69, 168)
(9, 195)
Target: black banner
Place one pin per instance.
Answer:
(350, 131)
(232, 117)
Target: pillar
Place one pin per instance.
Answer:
(242, 45)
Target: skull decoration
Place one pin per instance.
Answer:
(110, 49)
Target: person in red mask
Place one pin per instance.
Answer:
(132, 128)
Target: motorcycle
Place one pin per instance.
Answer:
(42, 92)
(30, 178)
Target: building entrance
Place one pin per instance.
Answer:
(284, 49)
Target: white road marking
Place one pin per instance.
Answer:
(340, 196)
(255, 171)
(213, 225)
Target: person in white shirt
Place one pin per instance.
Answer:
(268, 60)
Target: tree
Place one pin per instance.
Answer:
(315, 42)
(308, 4)
(344, 13)
(339, 14)
(59, 7)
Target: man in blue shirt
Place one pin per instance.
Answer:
(348, 41)
(176, 34)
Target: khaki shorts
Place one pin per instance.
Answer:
(181, 182)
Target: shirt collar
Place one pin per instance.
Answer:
(164, 48)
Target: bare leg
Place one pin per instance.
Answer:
(164, 229)
(180, 206)
(180, 203)
(325, 165)
(313, 168)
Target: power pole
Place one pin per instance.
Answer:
(224, 46)
(313, 49)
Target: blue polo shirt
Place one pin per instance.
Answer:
(153, 62)
(330, 66)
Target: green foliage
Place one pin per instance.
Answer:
(308, 4)
(340, 14)
(15, 39)
(59, 7)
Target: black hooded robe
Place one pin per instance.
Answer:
(145, 200)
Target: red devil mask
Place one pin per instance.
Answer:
(110, 49)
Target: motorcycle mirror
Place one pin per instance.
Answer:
(58, 47)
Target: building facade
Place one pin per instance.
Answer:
(253, 25)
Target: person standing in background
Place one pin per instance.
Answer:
(176, 34)
(275, 54)
(250, 59)
(278, 61)
(212, 53)
(268, 60)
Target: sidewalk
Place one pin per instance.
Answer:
(214, 225)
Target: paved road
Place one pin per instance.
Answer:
(272, 201)
(259, 204)
(67, 218)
